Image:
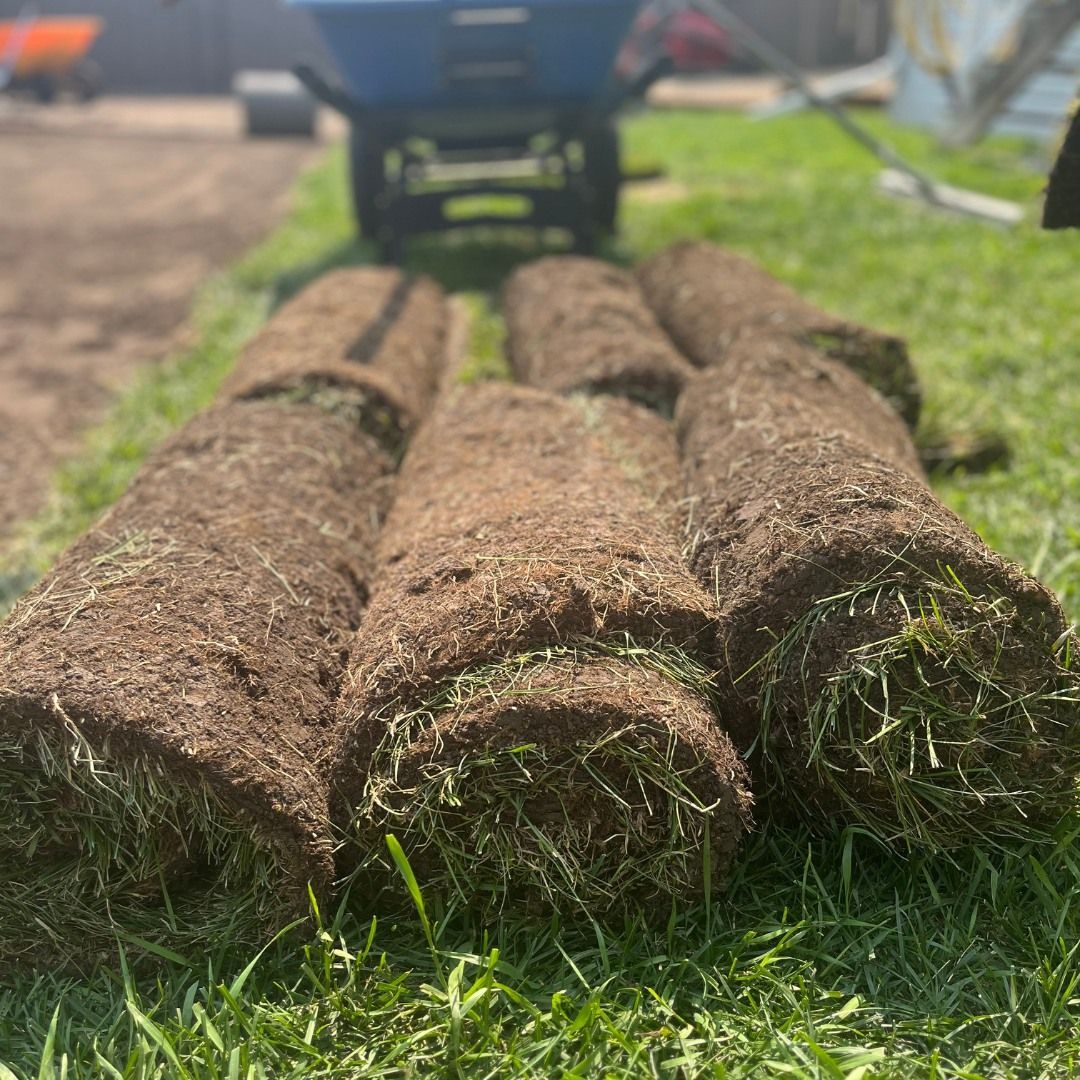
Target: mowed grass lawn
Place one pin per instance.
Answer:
(828, 956)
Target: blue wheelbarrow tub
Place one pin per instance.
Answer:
(449, 55)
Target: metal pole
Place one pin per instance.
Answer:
(778, 61)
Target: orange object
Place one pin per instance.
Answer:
(48, 46)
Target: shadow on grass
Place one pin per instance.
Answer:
(474, 260)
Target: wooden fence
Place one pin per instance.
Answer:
(195, 46)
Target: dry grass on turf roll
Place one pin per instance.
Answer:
(363, 342)
(530, 611)
(578, 324)
(167, 693)
(708, 298)
(885, 667)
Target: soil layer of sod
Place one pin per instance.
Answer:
(523, 561)
(167, 693)
(363, 342)
(884, 666)
(707, 298)
(578, 324)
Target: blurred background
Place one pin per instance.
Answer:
(136, 168)
(198, 46)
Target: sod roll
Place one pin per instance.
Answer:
(883, 666)
(577, 324)
(524, 570)
(167, 693)
(364, 342)
(708, 298)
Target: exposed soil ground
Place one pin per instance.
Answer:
(196, 634)
(830, 559)
(365, 341)
(707, 298)
(109, 220)
(577, 324)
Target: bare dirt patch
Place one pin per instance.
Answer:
(106, 231)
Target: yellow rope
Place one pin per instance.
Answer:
(923, 27)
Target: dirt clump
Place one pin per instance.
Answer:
(364, 342)
(580, 325)
(708, 298)
(881, 665)
(167, 693)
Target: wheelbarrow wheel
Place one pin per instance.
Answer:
(84, 81)
(603, 174)
(45, 88)
(368, 176)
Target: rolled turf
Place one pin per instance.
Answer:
(707, 298)
(577, 324)
(364, 342)
(523, 681)
(884, 667)
(167, 693)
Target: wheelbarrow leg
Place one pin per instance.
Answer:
(603, 173)
(585, 236)
(367, 172)
(391, 247)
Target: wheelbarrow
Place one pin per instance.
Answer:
(46, 57)
(498, 102)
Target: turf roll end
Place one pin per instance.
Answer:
(564, 778)
(931, 714)
(882, 666)
(99, 842)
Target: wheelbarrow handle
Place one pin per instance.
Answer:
(329, 93)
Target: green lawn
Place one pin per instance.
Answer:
(827, 956)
